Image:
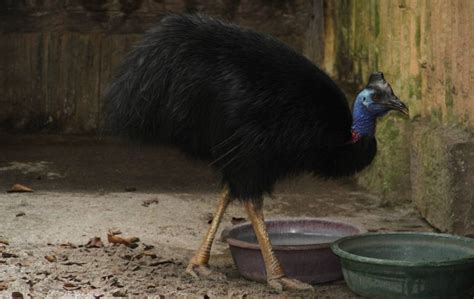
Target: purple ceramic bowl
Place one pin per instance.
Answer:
(302, 245)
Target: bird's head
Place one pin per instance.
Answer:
(375, 100)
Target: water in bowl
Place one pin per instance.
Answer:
(294, 238)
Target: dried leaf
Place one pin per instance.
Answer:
(237, 220)
(95, 242)
(8, 255)
(3, 286)
(161, 262)
(119, 293)
(127, 257)
(17, 295)
(50, 258)
(122, 240)
(148, 202)
(148, 247)
(19, 188)
(132, 239)
(68, 245)
(71, 263)
(150, 254)
(69, 286)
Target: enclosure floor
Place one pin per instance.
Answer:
(80, 192)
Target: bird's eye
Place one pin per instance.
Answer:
(376, 97)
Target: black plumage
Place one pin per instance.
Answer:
(253, 107)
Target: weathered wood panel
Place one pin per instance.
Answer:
(57, 56)
(20, 78)
(424, 47)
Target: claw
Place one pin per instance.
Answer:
(285, 283)
(197, 271)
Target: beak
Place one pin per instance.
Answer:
(395, 104)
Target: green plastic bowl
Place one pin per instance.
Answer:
(407, 264)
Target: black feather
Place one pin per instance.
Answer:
(247, 103)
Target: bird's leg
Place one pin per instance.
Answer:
(198, 265)
(275, 275)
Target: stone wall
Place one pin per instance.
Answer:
(424, 47)
(57, 56)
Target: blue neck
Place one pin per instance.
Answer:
(363, 122)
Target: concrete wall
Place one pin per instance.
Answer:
(57, 56)
(424, 47)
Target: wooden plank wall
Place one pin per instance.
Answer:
(57, 56)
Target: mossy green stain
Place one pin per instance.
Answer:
(448, 94)
(436, 115)
(375, 11)
(418, 32)
(414, 87)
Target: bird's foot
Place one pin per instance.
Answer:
(285, 283)
(198, 270)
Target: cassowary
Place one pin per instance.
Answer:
(252, 107)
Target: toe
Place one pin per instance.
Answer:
(285, 283)
(295, 284)
(197, 271)
(275, 284)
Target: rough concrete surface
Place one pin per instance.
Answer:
(442, 162)
(80, 184)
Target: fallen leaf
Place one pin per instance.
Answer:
(119, 293)
(127, 257)
(71, 263)
(237, 220)
(19, 188)
(69, 286)
(161, 262)
(3, 286)
(68, 245)
(95, 242)
(114, 239)
(8, 255)
(148, 202)
(148, 247)
(17, 295)
(50, 258)
(20, 214)
(150, 254)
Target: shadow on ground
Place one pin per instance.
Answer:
(84, 187)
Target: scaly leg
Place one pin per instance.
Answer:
(198, 265)
(275, 275)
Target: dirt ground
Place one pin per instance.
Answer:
(84, 187)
